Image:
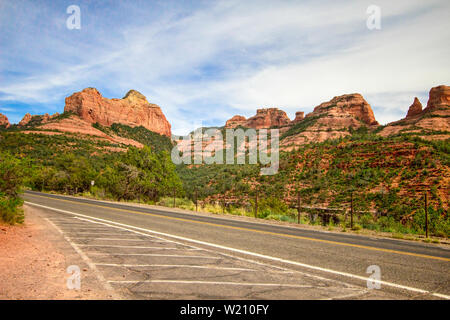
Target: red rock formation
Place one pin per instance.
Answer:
(435, 117)
(133, 110)
(439, 97)
(266, 118)
(26, 118)
(74, 124)
(4, 122)
(415, 109)
(235, 122)
(353, 104)
(299, 116)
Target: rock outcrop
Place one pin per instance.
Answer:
(433, 122)
(25, 120)
(329, 120)
(439, 99)
(353, 104)
(267, 118)
(4, 122)
(299, 116)
(236, 121)
(133, 110)
(414, 109)
(264, 119)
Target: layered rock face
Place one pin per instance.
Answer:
(41, 119)
(4, 122)
(236, 121)
(353, 104)
(434, 118)
(330, 120)
(133, 110)
(26, 118)
(264, 118)
(439, 98)
(299, 116)
(414, 109)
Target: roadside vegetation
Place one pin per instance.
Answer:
(11, 177)
(387, 178)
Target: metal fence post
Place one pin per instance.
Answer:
(196, 200)
(351, 210)
(256, 204)
(174, 196)
(426, 214)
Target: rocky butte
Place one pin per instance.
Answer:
(435, 117)
(264, 118)
(4, 122)
(414, 109)
(132, 110)
(329, 120)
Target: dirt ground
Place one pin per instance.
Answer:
(33, 261)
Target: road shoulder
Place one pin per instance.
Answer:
(34, 260)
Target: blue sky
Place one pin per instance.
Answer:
(205, 61)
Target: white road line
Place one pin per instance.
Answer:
(95, 233)
(131, 247)
(88, 261)
(153, 255)
(173, 266)
(304, 265)
(110, 239)
(215, 283)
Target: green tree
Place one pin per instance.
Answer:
(11, 178)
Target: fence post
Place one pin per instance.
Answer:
(196, 200)
(256, 204)
(351, 210)
(426, 214)
(298, 207)
(174, 195)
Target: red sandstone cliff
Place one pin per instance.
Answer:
(264, 118)
(414, 109)
(435, 118)
(353, 104)
(133, 110)
(4, 122)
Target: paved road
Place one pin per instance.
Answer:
(149, 253)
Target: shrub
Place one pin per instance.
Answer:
(10, 186)
(11, 210)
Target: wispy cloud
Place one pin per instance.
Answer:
(215, 59)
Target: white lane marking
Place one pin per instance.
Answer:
(272, 267)
(215, 283)
(88, 261)
(348, 296)
(109, 239)
(172, 266)
(152, 255)
(132, 247)
(304, 265)
(95, 233)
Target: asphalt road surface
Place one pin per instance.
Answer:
(145, 253)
